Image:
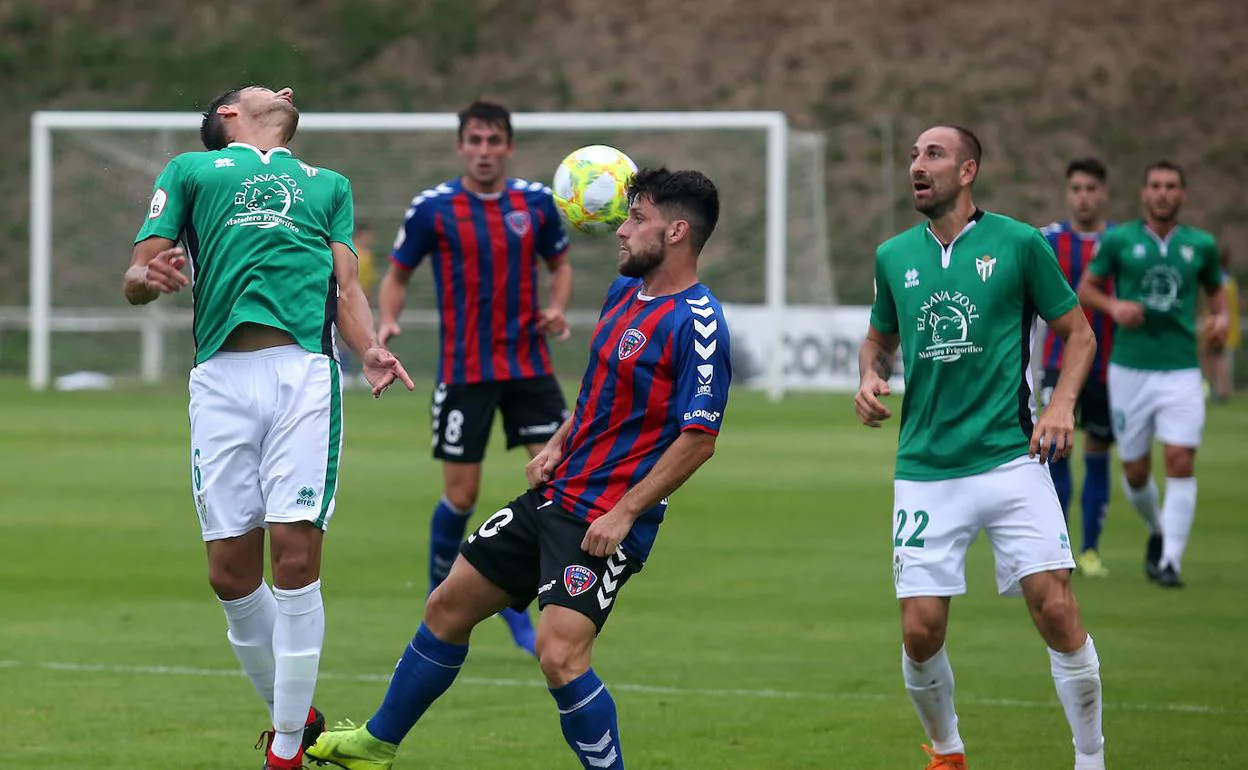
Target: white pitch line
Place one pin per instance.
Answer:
(645, 689)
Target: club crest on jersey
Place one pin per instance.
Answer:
(577, 579)
(984, 266)
(632, 341)
(518, 222)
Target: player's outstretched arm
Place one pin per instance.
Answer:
(686, 454)
(1053, 436)
(391, 298)
(155, 268)
(355, 324)
(875, 366)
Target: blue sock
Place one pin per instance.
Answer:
(425, 671)
(445, 534)
(587, 716)
(1060, 471)
(1095, 498)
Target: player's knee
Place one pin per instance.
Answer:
(1056, 612)
(295, 568)
(1180, 462)
(231, 581)
(922, 635)
(462, 495)
(561, 661)
(447, 618)
(1136, 473)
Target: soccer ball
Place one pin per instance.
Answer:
(591, 188)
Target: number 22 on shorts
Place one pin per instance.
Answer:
(919, 519)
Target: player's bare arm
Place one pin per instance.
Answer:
(553, 319)
(686, 454)
(355, 323)
(155, 268)
(1092, 294)
(875, 366)
(543, 463)
(1218, 318)
(391, 298)
(1053, 436)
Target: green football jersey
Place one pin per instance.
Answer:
(256, 227)
(1162, 276)
(966, 315)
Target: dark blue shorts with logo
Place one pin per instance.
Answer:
(532, 550)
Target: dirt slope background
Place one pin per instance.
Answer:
(1040, 80)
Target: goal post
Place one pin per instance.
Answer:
(113, 145)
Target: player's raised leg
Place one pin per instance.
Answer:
(426, 669)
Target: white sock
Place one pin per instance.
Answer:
(297, 639)
(1077, 676)
(251, 621)
(930, 685)
(1176, 520)
(1145, 500)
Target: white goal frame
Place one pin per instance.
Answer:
(774, 124)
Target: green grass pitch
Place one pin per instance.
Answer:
(763, 633)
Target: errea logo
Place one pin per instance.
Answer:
(307, 497)
(912, 278)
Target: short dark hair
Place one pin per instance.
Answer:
(212, 129)
(971, 147)
(1166, 165)
(1091, 166)
(687, 195)
(489, 113)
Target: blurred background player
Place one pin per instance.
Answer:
(484, 233)
(265, 393)
(1074, 241)
(1155, 386)
(647, 417)
(958, 293)
(1218, 359)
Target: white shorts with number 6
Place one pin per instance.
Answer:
(1167, 404)
(935, 522)
(266, 435)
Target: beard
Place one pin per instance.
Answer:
(639, 264)
(938, 202)
(1163, 212)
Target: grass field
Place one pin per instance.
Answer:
(763, 633)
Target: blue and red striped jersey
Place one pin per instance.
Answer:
(1075, 251)
(658, 366)
(484, 251)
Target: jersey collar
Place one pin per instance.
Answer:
(265, 157)
(946, 252)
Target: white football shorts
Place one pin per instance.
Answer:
(1167, 404)
(935, 522)
(266, 437)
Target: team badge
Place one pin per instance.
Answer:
(984, 266)
(577, 579)
(1188, 252)
(518, 222)
(632, 341)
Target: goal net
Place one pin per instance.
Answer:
(91, 182)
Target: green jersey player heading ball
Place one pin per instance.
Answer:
(268, 239)
(960, 294)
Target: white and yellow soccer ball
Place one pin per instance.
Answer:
(591, 188)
